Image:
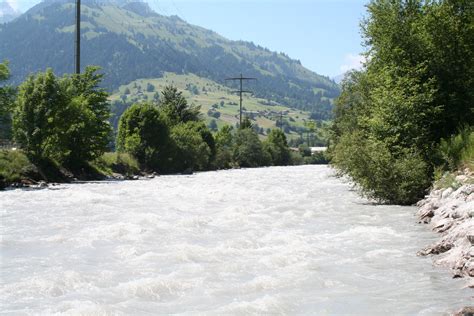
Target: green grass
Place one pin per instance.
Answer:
(211, 93)
(121, 163)
(14, 165)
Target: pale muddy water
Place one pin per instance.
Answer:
(293, 240)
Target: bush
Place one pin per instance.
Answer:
(121, 163)
(398, 179)
(318, 158)
(224, 146)
(144, 134)
(190, 149)
(296, 158)
(458, 150)
(63, 120)
(277, 147)
(248, 150)
(14, 165)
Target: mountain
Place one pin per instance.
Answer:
(131, 41)
(7, 13)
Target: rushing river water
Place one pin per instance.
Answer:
(290, 240)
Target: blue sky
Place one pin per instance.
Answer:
(323, 34)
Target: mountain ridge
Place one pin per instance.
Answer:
(7, 13)
(140, 43)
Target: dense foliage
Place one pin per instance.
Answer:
(171, 137)
(143, 133)
(415, 89)
(6, 101)
(62, 119)
(125, 41)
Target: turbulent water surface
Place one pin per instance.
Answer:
(290, 240)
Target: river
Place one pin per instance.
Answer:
(282, 240)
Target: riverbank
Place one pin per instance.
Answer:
(17, 171)
(449, 210)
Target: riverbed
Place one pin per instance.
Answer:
(280, 240)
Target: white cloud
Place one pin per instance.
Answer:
(352, 61)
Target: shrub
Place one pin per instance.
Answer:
(381, 175)
(248, 150)
(458, 150)
(143, 133)
(117, 162)
(190, 149)
(224, 145)
(277, 147)
(14, 165)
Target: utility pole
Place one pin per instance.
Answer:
(240, 91)
(78, 36)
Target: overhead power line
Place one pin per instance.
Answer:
(241, 91)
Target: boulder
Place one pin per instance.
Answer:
(465, 311)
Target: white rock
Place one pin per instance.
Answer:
(446, 193)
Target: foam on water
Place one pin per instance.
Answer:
(272, 241)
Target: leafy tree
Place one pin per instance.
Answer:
(150, 87)
(213, 125)
(6, 102)
(246, 123)
(38, 116)
(415, 89)
(224, 147)
(176, 108)
(277, 146)
(63, 120)
(190, 149)
(248, 150)
(86, 129)
(144, 134)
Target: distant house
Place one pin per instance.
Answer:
(318, 149)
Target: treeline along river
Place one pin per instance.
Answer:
(272, 240)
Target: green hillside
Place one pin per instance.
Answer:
(217, 103)
(130, 41)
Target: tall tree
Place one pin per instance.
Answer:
(415, 89)
(6, 102)
(38, 115)
(176, 108)
(87, 128)
(143, 133)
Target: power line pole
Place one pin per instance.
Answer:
(241, 91)
(78, 36)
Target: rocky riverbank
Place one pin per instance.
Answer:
(450, 212)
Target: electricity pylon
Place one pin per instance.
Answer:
(240, 91)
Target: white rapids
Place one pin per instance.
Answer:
(283, 240)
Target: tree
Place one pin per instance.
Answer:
(63, 120)
(143, 133)
(150, 87)
(224, 145)
(277, 146)
(213, 125)
(246, 123)
(415, 89)
(176, 108)
(38, 116)
(6, 102)
(191, 150)
(85, 127)
(248, 150)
